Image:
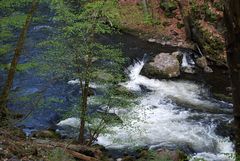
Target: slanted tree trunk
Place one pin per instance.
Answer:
(8, 84)
(232, 21)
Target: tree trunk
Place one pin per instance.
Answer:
(183, 7)
(8, 84)
(232, 21)
(83, 114)
(145, 7)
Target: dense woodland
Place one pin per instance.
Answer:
(125, 80)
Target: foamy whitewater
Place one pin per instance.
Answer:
(157, 121)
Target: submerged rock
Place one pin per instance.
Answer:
(207, 69)
(163, 65)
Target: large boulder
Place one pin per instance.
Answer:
(163, 65)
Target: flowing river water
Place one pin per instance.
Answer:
(162, 117)
(158, 121)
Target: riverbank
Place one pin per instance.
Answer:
(169, 22)
(46, 146)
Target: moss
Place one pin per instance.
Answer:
(212, 45)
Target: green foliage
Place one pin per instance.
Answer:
(9, 6)
(219, 5)
(76, 53)
(13, 16)
(20, 67)
(26, 66)
(168, 6)
(5, 48)
(148, 19)
(209, 15)
(59, 154)
(202, 11)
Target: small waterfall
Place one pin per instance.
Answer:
(184, 61)
(187, 61)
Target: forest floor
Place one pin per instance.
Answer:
(15, 146)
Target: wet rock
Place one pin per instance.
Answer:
(229, 89)
(207, 69)
(151, 40)
(189, 70)
(171, 155)
(163, 65)
(176, 54)
(119, 159)
(202, 62)
(128, 158)
(66, 131)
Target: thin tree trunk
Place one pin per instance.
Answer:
(232, 21)
(145, 7)
(8, 84)
(83, 113)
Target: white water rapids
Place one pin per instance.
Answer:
(157, 121)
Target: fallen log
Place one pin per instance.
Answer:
(75, 150)
(80, 156)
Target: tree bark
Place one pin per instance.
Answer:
(232, 21)
(83, 114)
(183, 7)
(20, 43)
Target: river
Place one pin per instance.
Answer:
(163, 116)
